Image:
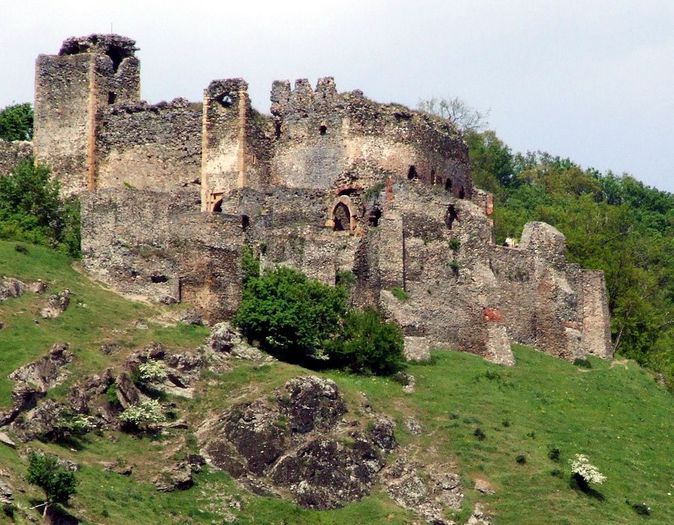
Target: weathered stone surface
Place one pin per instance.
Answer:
(10, 288)
(225, 340)
(424, 490)
(417, 348)
(46, 372)
(6, 440)
(57, 304)
(297, 444)
(484, 486)
(311, 403)
(6, 493)
(176, 477)
(479, 516)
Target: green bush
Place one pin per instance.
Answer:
(368, 344)
(290, 315)
(31, 209)
(46, 472)
(16, 122)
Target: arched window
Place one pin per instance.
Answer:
(412, 173)
(341, 217)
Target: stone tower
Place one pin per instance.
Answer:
(71, 88)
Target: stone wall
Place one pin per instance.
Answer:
(11, 153)
(88, 74)
(149, 146)
(160, 246)
(326, 139)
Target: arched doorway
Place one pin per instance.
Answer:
(341, 217)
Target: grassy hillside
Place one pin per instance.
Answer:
(613, 412)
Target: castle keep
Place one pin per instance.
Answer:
(331, 182)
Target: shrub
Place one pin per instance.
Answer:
(345, 279)
(584, 473)
(554, 453)
(20, 248)
(290, 315)
(31, 209)
(70, 424)
(581, 362)
(152, 371)
(143, 416)
(16, 122)
(368, 344)
(521, 459)
(111, 395)
(454, 244)
(454, 266)
(640, 508)
(57, 483)
(400, 294)
(479, 434)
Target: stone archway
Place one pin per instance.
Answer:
(342, 215)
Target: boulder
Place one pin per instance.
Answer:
(176, 477)
(6, 493)
(224, 340)
(310, 403)
(43, 374)
(57, 304)
(10, 288)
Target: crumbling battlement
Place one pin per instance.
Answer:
(329, 183)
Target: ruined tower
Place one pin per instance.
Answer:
(88, 74)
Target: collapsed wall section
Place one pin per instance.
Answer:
(160, 246)
(156, 147)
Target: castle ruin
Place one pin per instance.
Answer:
(328, 183)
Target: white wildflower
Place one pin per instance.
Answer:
(582, 467)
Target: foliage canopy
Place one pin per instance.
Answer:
(16, 122)
(54, 479)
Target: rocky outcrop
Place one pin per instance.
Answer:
(46, 372)
(57, 304)
(298, 442)
(10, 288)
(226, 341)
(425, 490)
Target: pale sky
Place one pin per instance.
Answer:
(592, 80)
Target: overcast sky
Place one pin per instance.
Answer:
(589, 79)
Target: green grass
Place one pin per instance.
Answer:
(616, 415)
(612, 412)
(96, 315)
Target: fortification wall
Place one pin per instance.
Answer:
(159, 245)
(11, 153)
(157, 147)
(325, 139)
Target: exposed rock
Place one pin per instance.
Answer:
(325, 473)
(425, 495)
(121, 469)
(109, 348)
(256, 432)
(6, 493)
(417, 348)
(299, 444)
(127, 393)
(46, 372)
(39, 422)
(58, 303)
(83, 392)
(176, 477)
(10, 288)
(310, 403)
(479, 517)
(6, 440)
(413, 426)
(382, 434)
(192, 317)
(38, 287)
(483, 486)
(226, 341)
